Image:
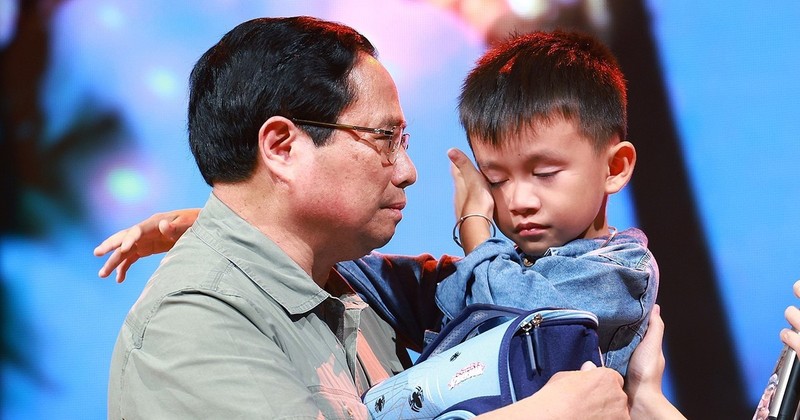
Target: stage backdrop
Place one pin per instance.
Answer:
(94, 97)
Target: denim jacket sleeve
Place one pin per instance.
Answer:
(401, 290)
(617, 281)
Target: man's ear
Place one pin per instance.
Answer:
(621, 160)
(277, 145)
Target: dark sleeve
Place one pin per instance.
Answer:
(401, 290)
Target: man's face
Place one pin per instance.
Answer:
(354, 196)
(548, 185)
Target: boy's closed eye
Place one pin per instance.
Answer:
(495, 184)
(494, 178)
(547, 174)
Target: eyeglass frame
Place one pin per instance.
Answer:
(394, 145)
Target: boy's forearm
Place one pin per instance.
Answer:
(474, 231)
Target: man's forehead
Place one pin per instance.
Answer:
(375, 93)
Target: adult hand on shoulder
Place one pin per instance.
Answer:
(156, 234)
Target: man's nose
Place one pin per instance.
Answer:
(405, 173)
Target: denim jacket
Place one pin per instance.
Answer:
(616, 279)
(623, 273)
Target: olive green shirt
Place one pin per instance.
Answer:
(230, 327)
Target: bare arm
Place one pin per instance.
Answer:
(645, 372)
(154, 235)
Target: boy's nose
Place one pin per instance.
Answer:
(523, 198)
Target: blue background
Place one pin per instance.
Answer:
(107, 148)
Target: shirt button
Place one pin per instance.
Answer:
(527, 262)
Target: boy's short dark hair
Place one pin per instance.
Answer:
(296, 67)
(541, 75)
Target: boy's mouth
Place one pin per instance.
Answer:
(530, 231)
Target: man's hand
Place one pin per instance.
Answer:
(157, 234)
(591, 393)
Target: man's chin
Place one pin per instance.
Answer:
(384, 240)
(376, 241)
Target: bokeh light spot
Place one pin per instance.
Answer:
(528, 9)
(162, 83)
(8, 21)
(110, 16)
(126, 185)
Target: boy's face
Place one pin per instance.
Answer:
(548, 184)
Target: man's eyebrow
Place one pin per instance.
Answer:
(393, 122)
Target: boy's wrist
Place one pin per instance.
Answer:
(472, 207)
(473, 229)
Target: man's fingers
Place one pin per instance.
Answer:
(588, 365)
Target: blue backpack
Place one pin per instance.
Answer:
(488, 357)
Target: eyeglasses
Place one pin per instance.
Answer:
(395, 136)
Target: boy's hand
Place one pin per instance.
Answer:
(472, 193)
(156, 234)
(472, 196)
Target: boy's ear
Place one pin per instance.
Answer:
(621, 160)
(278, 146)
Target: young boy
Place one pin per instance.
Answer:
(545, 115)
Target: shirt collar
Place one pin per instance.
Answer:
(258, 257)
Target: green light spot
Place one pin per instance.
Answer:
(162, 83)
(126, 185)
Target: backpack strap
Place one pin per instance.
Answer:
(473, 320)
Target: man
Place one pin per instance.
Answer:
(299, 131)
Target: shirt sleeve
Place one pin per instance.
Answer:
(401, 290)
(199, 357)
